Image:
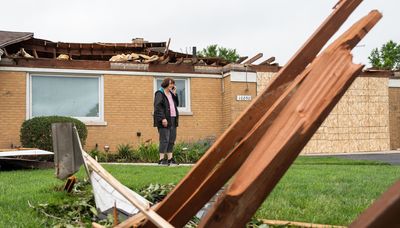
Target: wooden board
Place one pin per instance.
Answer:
(181, 195)
(308, 105)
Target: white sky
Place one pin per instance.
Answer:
(276, 28)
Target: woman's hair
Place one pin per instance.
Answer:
(165, 83)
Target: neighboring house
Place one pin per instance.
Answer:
(115, 98)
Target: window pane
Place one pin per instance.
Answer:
(180, 91)
(65, 96)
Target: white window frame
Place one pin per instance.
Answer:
(182, 110)
(87, 120)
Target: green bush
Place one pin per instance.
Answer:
(148, 152)
(126, 152)
(36, 132)
(191, 152)
(98, 155)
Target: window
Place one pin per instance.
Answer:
(75, 96)
(182, 91)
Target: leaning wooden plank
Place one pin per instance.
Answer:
(226, 168)
(238, 130)
(384, 212)
(330, 76)
(279, 146)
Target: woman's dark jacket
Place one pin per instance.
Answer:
(162, 109)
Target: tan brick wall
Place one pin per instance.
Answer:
(12, 107)
(227, 102)
(128, 107)
(241, 88)
(231, 107)
(359, 122)
(394, 118)
(206, 102)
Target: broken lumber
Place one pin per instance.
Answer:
(182, 194)
(307, 106)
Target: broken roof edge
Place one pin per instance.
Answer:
(11, 37)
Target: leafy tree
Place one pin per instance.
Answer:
(387, 57)
(215, 51)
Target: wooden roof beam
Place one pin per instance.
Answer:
(268, 61)
(254, 58)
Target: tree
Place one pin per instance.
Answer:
(387, 58)
(214, 51)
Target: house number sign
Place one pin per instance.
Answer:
(243, 97)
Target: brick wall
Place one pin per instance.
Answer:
(394, 118)
(12, 107)
(231, 108)
(241, 88)
(128, 108)
(359, 122)
(227, 102)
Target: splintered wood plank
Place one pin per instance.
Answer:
(239, 129)
(225, 169)
(384, 212)
(276, 150)
(329, 77)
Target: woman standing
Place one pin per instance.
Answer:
(166, 119)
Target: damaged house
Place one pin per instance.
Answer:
(110, 87)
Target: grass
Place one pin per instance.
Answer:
(320, 190)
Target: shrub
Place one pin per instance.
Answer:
(191, 152)
(148, 152)
(126, 152)
(97, 154)
(36, 132)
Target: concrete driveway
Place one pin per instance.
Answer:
(391, 157)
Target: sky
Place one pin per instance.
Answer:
(275, 28)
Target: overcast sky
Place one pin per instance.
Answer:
(276, 28)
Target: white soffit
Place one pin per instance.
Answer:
(238, 76)
(394, 83)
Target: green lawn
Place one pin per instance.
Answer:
(320, 190)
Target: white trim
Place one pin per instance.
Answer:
(184, 111)
(87, 120)
(28, 96)
(102, 72)
(394, 83)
